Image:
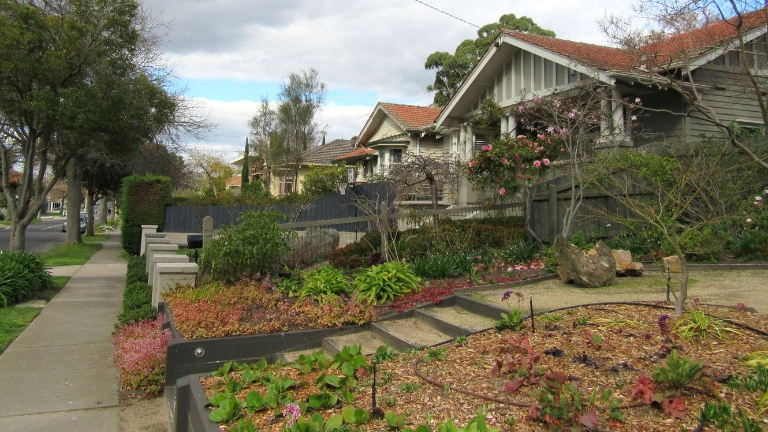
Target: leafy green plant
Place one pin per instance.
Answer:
(253, 246)
(438, 266)
(21, 274)
(386, 282)
(357, 416)
(324, 281)
(409, 387)
(437, 353)
(228, 407)
(723, 418)
(460, 340)
(514, 319)
(394, 421)
(520, 252)
(548, 317)
(750, 245)
(384, 353)
(700, 325)
(679, 372)
(322, 400)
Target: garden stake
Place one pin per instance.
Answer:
(373, 388)
(669, 279)
(533, 327)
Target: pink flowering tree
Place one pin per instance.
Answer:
(580, 122)
(513, 164)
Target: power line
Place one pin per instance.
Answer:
(446, 13)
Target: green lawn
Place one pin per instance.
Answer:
(74, 254)
(13, 321)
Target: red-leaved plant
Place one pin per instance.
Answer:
(140, 350)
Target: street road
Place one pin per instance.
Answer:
(41, 236)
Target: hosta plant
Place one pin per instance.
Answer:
(386, 282)
(324, 281)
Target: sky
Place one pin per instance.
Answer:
(228, 54)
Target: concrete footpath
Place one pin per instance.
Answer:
(58, 375)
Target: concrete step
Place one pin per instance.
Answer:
(404, 334)
(454, 320)
(368, 341)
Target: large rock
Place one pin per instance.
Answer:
(596, 268)
(624, 264)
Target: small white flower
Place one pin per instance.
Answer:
(637, 100)
(758, 198)
(749, 220)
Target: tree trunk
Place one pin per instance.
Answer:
(433, 189)
(528, 201)
(18, 236)
(102, 218)
(89, 211)
(74, 198)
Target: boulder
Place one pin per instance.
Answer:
(624, 264)
(595, 268)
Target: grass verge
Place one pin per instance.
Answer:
(48, 295)
(74, 254)
(13, 321)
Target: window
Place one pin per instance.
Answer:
(396, 157)
(286, 184)
(480, 141)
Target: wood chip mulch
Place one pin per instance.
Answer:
(630, 345)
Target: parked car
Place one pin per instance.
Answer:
(83, 223)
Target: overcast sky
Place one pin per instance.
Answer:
(228, 53)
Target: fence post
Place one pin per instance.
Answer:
(553, 219)
(207, 230)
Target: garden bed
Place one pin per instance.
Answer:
(595, 348)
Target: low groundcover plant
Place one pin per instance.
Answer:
(140, 350)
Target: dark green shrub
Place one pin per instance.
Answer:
(143, 203)
(254, 246)
(439, 266)
(706, 244)
(750, 245)
(21, 274)
(145, 312)
(136, 295)
(355, 255)
(520, 252)
(136, 270)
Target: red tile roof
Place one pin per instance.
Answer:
(597, 56)
(362, 151)
(662, 53)
(411, 117)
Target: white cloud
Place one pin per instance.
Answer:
(359, 46)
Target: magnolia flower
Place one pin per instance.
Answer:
(552, 129)
(758, 198)
(502, 191)
(637, 100)
(521, 108)
(546, 161)
(634, 118)
(537, 98)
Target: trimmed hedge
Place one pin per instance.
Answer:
(137, 297)
(143, 203)
(137, 272)
(21, 275)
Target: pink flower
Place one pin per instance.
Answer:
(292, 413)
(522, 167)
(562, 149)
(502, 191)
(504, 161)
(637, 100)
(546, 161)
(472, 163)
(634, 118)
(537, 163)
(758, 198)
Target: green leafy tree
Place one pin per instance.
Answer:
(323, 181)
(452, 69)
(246, 168)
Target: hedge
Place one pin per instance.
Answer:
(143, 203)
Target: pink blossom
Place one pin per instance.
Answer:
(758, 198)
(472, 163)
(521, 137)
(546, 161)
(292, 413)
(537, 98)
(522, 167)
(634, 118)
(637, 100)
(487, 147)
(139, 351)
(502, 191)
(537, 163)
(562, 149)
(574, 112)
(551, 129)
(504, 161)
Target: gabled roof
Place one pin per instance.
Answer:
(411, 117)
(596, 56)
(356, 154)
(328, 153)
(407, 118)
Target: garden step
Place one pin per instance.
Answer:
(368, 341)
(404, 334)
(292, 356)
(455, 321)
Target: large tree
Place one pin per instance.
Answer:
(452, 69)
(680, 34)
